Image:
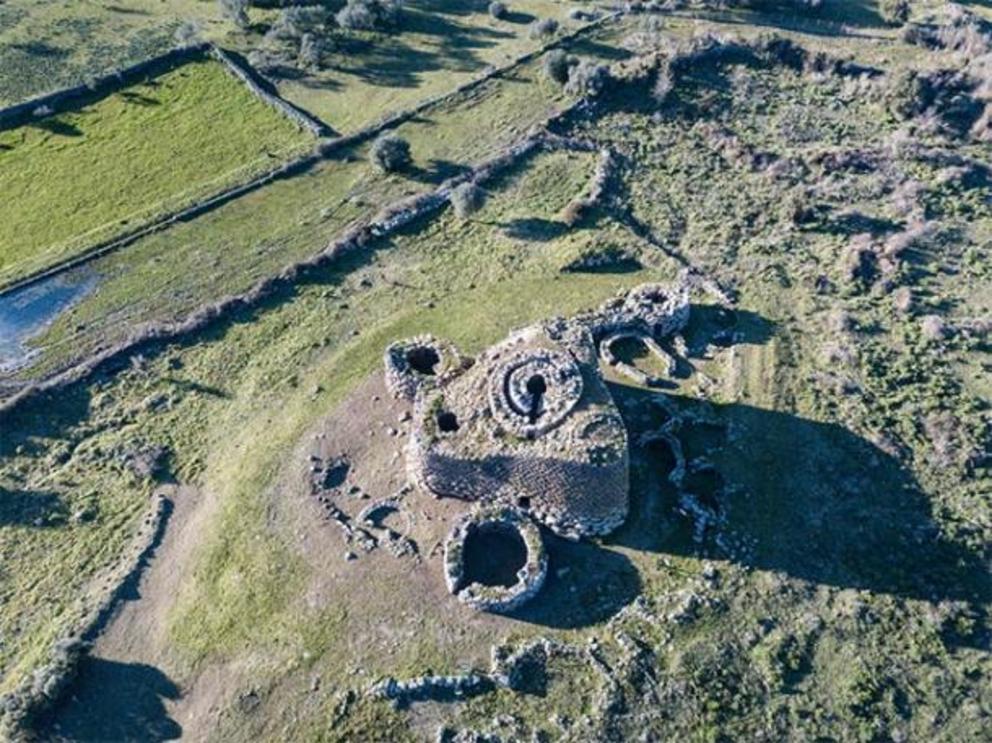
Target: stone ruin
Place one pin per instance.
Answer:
(529, 433)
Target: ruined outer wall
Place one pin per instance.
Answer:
(595, 492)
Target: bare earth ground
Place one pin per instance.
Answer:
(837, 589)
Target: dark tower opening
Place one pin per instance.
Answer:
(423, 359)
(536, 387)
(447, 421)
(493, 554)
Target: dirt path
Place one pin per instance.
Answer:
(128, 687)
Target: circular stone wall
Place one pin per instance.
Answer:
(415, 362)
(533, 391)
(495, 533)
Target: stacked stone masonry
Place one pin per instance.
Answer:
(530, 425)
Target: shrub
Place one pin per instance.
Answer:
(780, 5)
(573, 212)
(902, 300)
(369, 15)
(497, 10)
(587, 79)
(467, 199)
(909, 94)
(663, 84)
(860, 261)
(934, 328)
(543, 27)
(289, 24)
(235, 11)
(390, 153)
(310, 52)
(187, 33)
(894, 12)
(556, 65)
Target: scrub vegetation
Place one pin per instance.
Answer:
(819, 569)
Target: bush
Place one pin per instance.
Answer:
(556, 65)
(909, 94)
(235, 11)
(390, 153)
(934, 328)
(310, 52)
(289, 25)
(467, 199)
(498, 10)
(771, 6)
(902, 300)
(663, 85)
(587, 79)
(369, 15)
(543, 27)
(187, 33)
(894, 12)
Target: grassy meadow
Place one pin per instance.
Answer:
(84, 175)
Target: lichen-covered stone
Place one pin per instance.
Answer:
(533, 424)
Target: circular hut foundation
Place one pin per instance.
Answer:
(495, 559)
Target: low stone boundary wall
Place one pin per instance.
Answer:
(254, 80)
(385, 222)
(388, 220)
(21, 709)
(59, 100)
(263, 89)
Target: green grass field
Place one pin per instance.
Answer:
(83, 176)
(227, 249)
(46, 45)
(439, 46)
(841, 594)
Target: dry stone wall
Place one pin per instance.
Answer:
(529, 426)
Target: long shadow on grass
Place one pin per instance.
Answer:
(398, 64)
(437, 171)
(30, 508)
(586, 584)
(830, 21)
(534, 229)
(810, 499)
(59, 127)
(116, 701)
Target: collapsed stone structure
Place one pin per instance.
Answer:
(507, 523)
(528, 430)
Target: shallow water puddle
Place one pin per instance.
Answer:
(24, 313)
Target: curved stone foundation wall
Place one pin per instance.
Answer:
(530, 428)
(657, 310)
(404, 379)
(529, 578)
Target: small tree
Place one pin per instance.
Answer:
(235, 11)
(467, 199)
(187, 34)
(556, 65)
(497, 10)
(894, 12)
(587, 79)
(543, 27)
(663, 84)
(289, 25)
(310, 52)
(369, 15)
(390, 153)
